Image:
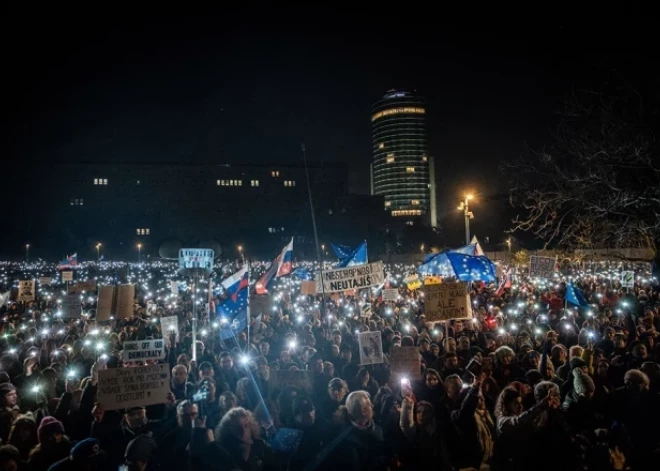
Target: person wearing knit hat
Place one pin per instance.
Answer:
(86, 454)
(53, 445)
(138, 452)
(50, 427)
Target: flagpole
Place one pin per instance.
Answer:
(316, 234)
(249, 317)
(194, 320)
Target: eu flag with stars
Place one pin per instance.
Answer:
(460, 266)
(574, 296)
(233, 309)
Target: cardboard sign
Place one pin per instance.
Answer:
(405, 362)
(432, 280)
(413, 282)
(196, 259)
(628, 279)
(308, 287)
(541, 267)
(174, 287)
(121, 388)
(167, 326)
(26, 291)
(104, 303)
(45, 280)
(71, 308)
(446, 301)
(371, 348)
(390, 294)
(67, 275)
(125, 297)
(298, 379)
(87, 286)
(144, 350)
(355, 277)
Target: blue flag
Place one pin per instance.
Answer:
(341, 251)
(302, 273)
(286, 440)
(460, 266)
(233, 309)
(358, 256)
(574, 296)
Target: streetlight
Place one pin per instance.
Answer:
(98, 252)
(465, 207)
(139, 246)
(27, 253)
(240, 252)
(508, 243)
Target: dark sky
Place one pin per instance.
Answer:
(249, 85)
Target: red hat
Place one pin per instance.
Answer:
(49, 426)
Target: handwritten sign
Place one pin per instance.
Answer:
(125, 297)
(355, 277)
(445, 301)
(541, 267)
(405, 362)
(71, 307)
(144, 350)
(390, 294)
(87, 286)
(371, 348)
(45, 280)
(67, 275)
(121, 388)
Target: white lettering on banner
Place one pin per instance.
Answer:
(143, 350)
(196, 258)
(358, 276)
(445, 301)
(541, 267)
(121, 388)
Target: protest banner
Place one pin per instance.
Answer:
(71, 307)
(67, 275)
(541, 267)
(86, 286)
(298, 379)
(169, 325)
(174, 287)
(628, 279)
(121, 388)
(191, 259)
(308, 287)
(45, 280)
(355, 277)
(390, 294)
(26, 291)
(405, 362)
(449, 300)
(104, 302)
(144, 350)
(371, 348)
(413, 282)
(124, 304)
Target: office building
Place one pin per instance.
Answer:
(401, 169)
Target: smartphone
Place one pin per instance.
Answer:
(474, 367)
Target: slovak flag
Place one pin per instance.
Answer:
(237, 295)
(285, 260)
(506, 283)
(71, 261)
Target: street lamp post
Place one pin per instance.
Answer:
(508, 243)
(27, 253)
(98, 252)
(139, 246)
(465, 207)
(240, 252)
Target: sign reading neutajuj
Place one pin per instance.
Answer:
(355, 277)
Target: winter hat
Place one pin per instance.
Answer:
(140, 449)
(577, 363)
(582, 384)
(49, 426)
(85, 449)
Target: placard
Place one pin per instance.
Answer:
(297, 379)
(88, 286)
(390, 294)
(45, 280)
(125, 297)
(167, 326)
(405, 362)
(541, 267)
(104, 303)
(122, 388)
(355, 277)
(196, 259)
(71, 306)
(144, 350)
(26, 291)
(67, 275)
(371, 348)
(174, 287)
(308, 287)
(628, 279)
(449, 300)
(413, 282)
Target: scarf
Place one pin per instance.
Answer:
(484, 435)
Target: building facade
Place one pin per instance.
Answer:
(401, 169)
(62, 209)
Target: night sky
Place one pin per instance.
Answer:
(251, 85)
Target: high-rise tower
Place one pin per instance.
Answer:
(400, 169)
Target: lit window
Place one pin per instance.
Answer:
(381, 145)
(392, 111)
(390, 158)
(275, 173)
(218, 182)
(76, 202)
(407, 212)
(100, 181)
(388, 203)
(96, 181)
(410, 169)
(139, 182)
(289, 183)
(254, 182)
(425, 158)
(142, 231)
(415, 202)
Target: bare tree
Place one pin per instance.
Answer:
(598, 185)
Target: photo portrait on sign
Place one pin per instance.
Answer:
(371, 348)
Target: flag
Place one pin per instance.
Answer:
(574, 296)
(286, 440)
(4, 297)
(460, 266)
(302, 273)
(478, 251)
(358, 256)
(341, 251)
(506, 284)
(285, 260)
(69, 262)
(233, 309)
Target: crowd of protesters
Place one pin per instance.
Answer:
(530, 382)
